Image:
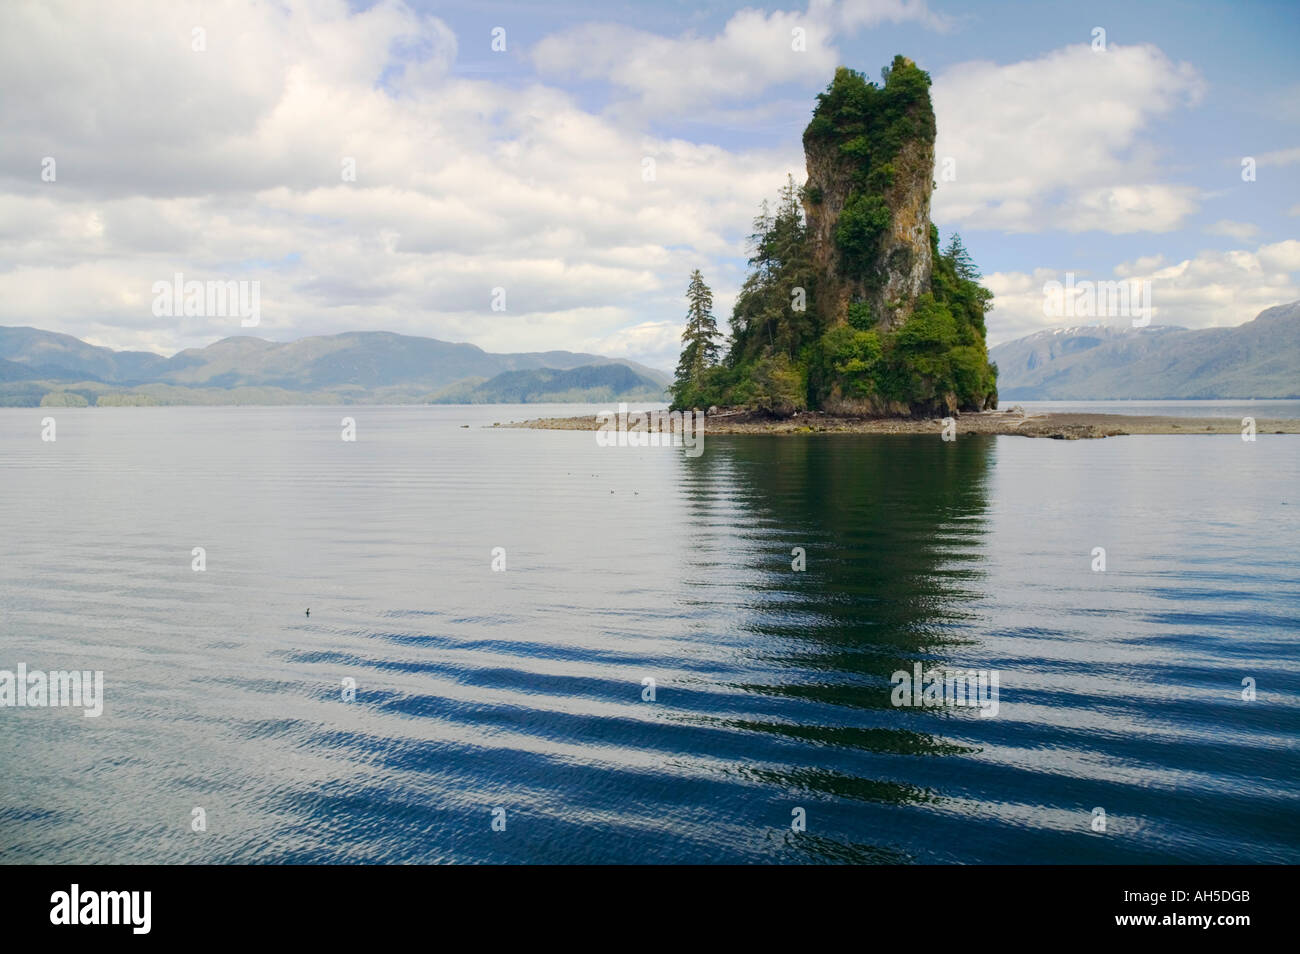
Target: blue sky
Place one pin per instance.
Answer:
(1246, 53)
(522, 169)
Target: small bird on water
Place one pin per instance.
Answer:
(308, 610)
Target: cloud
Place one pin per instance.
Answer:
(850, 15)
(227, 164)
(461, 186)
(1241, 231)
(1213, 289)
(1123, 209)
(754, 52)
(1060, 142)
(123, 102)
(656, 343)
(1281, 157)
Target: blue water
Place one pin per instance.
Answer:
(523, 690)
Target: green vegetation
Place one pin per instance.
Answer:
(126, 400)
(867, 126)
(64, 399)
(97, 393)
(782, 356)
(935, 361)
(773, 313)
(700, 348)
(587, 384)
(590, 384)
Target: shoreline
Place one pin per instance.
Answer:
(1014, 422)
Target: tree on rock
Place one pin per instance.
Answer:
(962, 263)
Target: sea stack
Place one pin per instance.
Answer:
(870, 158)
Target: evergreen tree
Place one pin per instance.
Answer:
(780, 356)
(769, 316)
(962, 263)
(700, 348)
(759, 241)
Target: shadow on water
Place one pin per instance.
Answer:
(524, 691)
(888, 531)
(781, 698)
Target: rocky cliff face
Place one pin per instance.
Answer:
(894, 326)
(870, 151)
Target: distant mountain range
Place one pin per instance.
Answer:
(1259, 359)
(366, 367)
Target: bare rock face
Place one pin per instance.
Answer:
(870, 150)
(823, 200)
(905, 254)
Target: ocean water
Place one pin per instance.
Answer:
(520, 696)
(1285, 409)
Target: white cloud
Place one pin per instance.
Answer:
(754, 52)
(1124, 209)
(1281, 256)
(656, 343)
(226, 164)
(672, 74)
(1241, 231)
(118, 97)
(1060, 142)
(462, 185)
(1213, 289)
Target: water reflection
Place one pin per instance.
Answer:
(524, 689)
(891, 531)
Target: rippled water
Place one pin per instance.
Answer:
(522, 689)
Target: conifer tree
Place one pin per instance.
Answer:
(770, 316)
(700, 348)
(961, 260)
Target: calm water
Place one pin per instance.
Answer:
(523, 689)
(1215, 408)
